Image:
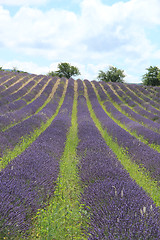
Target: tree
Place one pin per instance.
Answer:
(152, 77)
(112, 75)
(53, 74)
(65, 70)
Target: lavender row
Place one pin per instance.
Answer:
(23, 101)
(6, 96)
(144, 94)
(13, 135)
(12, 102)
(4, 74)
(150, 92)
(140, 153)
(146, 103)
(118, 207)
(112, 95)
(132, 94)
(130, 102)
(28, 182)
(12, 81)
(10, 89)
(5, 79)
(151, 114)
(151, 98)
(143, 112)
(43, 79)
(103, 96)
(141, 119)
(27, 110)
(153, 94)
(29, 91)
(41, 82)
(148, 134)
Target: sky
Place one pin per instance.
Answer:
(36, 35)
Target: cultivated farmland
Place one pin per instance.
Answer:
(78, 159)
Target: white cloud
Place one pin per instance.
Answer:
(99, 36)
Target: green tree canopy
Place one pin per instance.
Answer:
(112, 75)
(152, 77)
(65, 70)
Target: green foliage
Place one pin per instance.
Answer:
(152, 77)
(53, 74)
(112, 75)
(65, 70)
(1, 69)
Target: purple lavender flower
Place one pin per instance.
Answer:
(138, 151)
(28, 181)
(118, 207)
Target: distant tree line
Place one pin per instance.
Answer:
(113, 74)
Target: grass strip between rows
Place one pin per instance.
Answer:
(50, 96)
(29, 90)
(62, 219)
(133, 92)
(141, 177)
(37, 95)
(132, 108)
(4, 83)
(26, 141)
(123, 111)
(154, 146)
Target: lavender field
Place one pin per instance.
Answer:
(78, 159)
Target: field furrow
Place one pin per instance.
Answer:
(12, 118)
(78, 159)
(139, 152)
(139, 131)
(17, 138)
(28, 181)
(62, 218)
(17, 92)
(6, 81)
(135, 102)
(147, 101)
(117, 207)
(126, 110)
(25, 95)
(129, 107)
